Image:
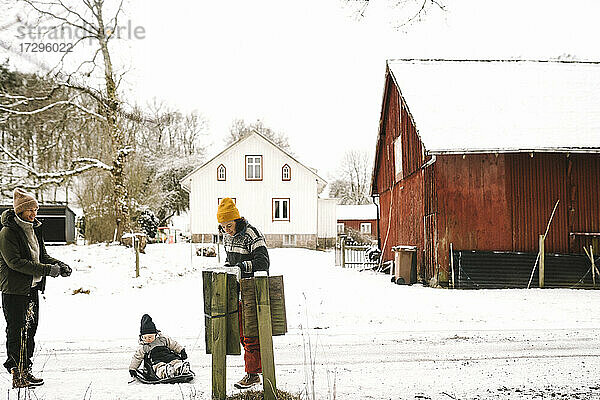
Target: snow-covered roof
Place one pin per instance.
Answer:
(466, 105)
(243, 138)
(356, 212)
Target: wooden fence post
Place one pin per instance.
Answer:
(136, 245)
(452, 266)
(541, 269)
(594, 269)
(265, 334)
(343, 249)
(218, 314)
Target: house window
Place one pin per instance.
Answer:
(221, 173)
(398, 158)
(365, 227)
(340, 227)
(221, 198)
(254, 168)
(289, 240)
(281, 209)
(286, 173)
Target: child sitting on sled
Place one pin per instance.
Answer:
(159, 352)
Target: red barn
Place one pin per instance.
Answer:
(475, 154)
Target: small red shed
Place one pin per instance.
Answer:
(361, 218)
(476, 153)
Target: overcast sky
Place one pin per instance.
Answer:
(312, 70)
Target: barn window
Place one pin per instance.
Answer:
(365, 227)
(286, 173)
(281, 209)
(221, 173)
(254, 168)
(398, 158)
(340, 227)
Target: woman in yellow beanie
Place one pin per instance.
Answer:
(246, 249)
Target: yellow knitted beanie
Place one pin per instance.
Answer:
(227, 211)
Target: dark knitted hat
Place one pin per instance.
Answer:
(147, 326)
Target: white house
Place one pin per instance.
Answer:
(272, 190)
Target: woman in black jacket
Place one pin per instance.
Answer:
(24, 265)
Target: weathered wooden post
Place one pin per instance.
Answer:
(452, 265)
(222, 334)
(263, 310)
(541, 269)
(343, 247)
(590, 255)
(218, 313)
(265, 334)
(594, 269)
(136, 245)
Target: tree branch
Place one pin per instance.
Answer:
(49, 106)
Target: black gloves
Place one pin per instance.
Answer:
(132, 373)
(245, 266)
(54, 270)
(65, 270)
(183, 354)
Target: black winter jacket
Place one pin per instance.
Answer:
(17, 267)
(247, 249)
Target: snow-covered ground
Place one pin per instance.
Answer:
(368, 338)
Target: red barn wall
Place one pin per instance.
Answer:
(403, 195)
(504, 202)
(482, 202)
(473, 210)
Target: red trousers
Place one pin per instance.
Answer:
(251, 347)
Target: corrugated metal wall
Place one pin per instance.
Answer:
(584, 196)
(497, 270)
(534, 184)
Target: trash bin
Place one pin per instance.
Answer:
(405, 265)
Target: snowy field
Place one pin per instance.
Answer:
(368, 338)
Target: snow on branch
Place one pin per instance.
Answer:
(9, 110)
(35, 179)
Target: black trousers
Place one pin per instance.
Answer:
(21, 314)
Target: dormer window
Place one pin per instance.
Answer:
(221, 173)
(254, 168)
(286, 173)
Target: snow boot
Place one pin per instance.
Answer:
(19, 380)
(33, 381)
(248, 381)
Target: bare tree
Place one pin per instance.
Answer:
(88, 17)
(401, 13)
(239, 128)
(352, 183)
(41, 128)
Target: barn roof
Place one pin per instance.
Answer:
(463, 106)
(356, 212)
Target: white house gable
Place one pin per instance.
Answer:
(274, 191)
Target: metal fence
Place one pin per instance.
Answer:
(352, 255)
